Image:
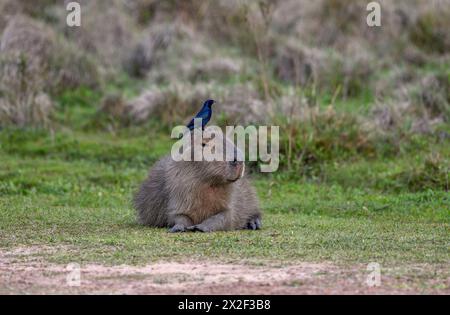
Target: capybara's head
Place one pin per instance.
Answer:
(220, 164)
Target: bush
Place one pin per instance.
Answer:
(34, 64)
(323, 70)
(177, 103)
(322, 135)
(434, 96)
(430, 31)
(171, 106)
(106, 32)
(150, 49)
(26, 47)
(432, 173)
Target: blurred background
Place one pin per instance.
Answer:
(339, 90)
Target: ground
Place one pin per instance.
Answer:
(364, 144)
(23, 270)
(65, 198)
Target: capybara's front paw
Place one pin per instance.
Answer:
(254, 224)
(177, 228)
(198, 228)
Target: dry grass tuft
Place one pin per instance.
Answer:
(432, 173)
(106, 31)
(430, 29)
(26, 47)
(34, 63)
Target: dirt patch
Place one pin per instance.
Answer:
(25, 271)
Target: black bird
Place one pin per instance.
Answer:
(204, 113)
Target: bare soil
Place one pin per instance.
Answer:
(24, 270)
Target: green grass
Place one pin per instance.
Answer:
(73, 188)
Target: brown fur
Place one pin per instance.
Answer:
(203, 196)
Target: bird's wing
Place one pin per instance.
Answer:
(204, 114)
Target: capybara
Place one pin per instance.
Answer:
(200, 196)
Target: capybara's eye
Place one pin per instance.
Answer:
(203, 144)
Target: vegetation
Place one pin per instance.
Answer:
(363, 113)
(73, 188)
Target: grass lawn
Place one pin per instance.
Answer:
(74, 189)
(364, 145)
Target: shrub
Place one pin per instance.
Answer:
(150, 48)
(34, 64)
(172, 105)
(432, 173)
(323, 70)
(322, 135)
(106, 32)
(25, 49)
(177, 103)
(434, 95)
(430, 31)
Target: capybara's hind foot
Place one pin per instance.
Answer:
(177, 228)
(254, 224)
(198, 228)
